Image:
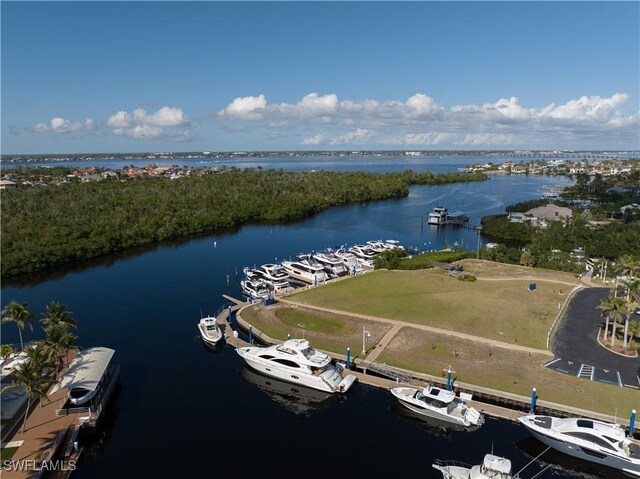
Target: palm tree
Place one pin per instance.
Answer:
(633, 300)
(634, 329)
(59, 341)
(18, 313)
(34, 377)
(627, 265)
(57, 315)
(614, 309)
(6, 350)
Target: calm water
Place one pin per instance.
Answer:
(186, 412)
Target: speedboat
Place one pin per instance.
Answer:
(331, 264)
(209, 330)
(274, 276)
(256, 288)
(438, 216)
(308, 273)
(298, 362)
(595, 441)
(492, 467)
(438, 403)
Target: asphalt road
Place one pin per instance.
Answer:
(577, 351)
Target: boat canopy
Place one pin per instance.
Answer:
(439, 394)
(86, 370)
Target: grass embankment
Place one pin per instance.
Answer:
(503, 369)
(325, 331)
(500, 310)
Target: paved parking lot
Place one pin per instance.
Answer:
(577, 351)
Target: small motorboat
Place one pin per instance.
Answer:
(209, 330)
(492, 467)
(438, 403)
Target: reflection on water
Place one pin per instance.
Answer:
(563, 464)
(433, 426)
(293, 397)
(213, 349)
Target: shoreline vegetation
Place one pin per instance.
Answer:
(46, 227)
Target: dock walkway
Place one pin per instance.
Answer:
(511, 407)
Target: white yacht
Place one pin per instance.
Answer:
(438, 403)
(438, 216)
(252, 273)
(298, 362)
(348, 259)
(595, 441)
(492, 467)
(256, 288)
(392, 244)
(274, 275)
(377, 246)
(209, 330)
(331, 264)
(363, 254)
(312, 274)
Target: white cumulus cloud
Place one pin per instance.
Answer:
(62, 125)
(142, 125)
(245, 108)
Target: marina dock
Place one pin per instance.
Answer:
(493, 403)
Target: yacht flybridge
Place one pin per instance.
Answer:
(438, 403)
(595, 441)
(332, 264)
(274, 275)
(256, 288)
(438, 216)
(298, 362)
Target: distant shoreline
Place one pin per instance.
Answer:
(584, 154)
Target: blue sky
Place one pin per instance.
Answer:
(216, 76)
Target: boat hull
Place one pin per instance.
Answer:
(212, 340)
(292, 375)
(578, 452)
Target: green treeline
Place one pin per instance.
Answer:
(44, 227)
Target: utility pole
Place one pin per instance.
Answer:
(478, 247)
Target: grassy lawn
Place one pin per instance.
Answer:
(7, 453)
(324, 331)
(502, 310)
(491, 269)
(505, 370)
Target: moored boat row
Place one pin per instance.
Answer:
(313, 268)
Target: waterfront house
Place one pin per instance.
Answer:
(6, 184)
(542, 215)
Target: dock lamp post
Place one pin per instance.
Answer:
(365, 334)
(478, 247)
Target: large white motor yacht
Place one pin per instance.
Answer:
(298, 362)
(595, 441)
(308, 273)
(274, 275)
(256, 288)
(209, 330)
(438, 216)
(438, 403)
(348, 259)
(492, 467)
(331, 264)
(364, 255)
